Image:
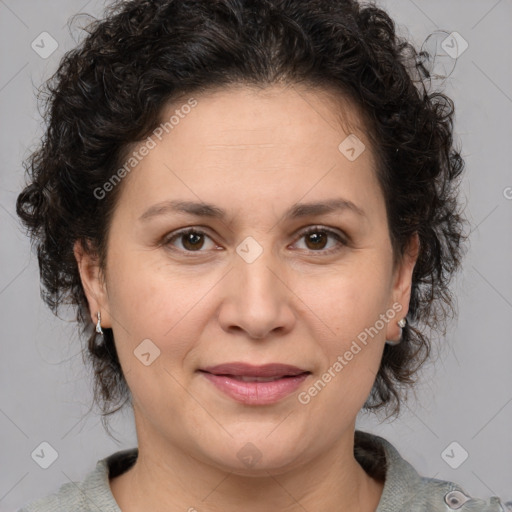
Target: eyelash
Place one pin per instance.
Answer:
(314, 229)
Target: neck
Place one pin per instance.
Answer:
(166, 478)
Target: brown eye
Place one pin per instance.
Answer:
(317, 239)
(191, 240)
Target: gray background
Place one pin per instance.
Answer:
(465, 394)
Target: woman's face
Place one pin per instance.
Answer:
(248, 285)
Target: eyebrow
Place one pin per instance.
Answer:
(298, 210)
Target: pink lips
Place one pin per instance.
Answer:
(255, 385)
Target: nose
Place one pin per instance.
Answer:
(258, 300)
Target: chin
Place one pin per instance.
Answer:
(258, 457)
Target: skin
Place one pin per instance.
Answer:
(294, 304)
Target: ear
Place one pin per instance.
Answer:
(402, 284)
(93, 283)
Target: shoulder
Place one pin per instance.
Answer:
(406, 490)
(92, 493)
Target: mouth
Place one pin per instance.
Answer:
(255, 385)
(263, 373)
(245, 378)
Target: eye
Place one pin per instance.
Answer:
(317, 237)
(192, 239)
(455, 499)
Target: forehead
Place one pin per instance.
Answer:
(226, 118)
(245, 145)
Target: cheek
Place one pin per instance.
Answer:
(351, 331)
(160, 312)
(350, 299)
(143, 306)
(150, 297)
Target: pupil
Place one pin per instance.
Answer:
(192, 238)
(317, 238)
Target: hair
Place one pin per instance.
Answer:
(108, 93)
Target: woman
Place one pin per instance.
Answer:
(253, 207)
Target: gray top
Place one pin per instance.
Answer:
(404, 489)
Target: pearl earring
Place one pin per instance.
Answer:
(99, 330)
(401, 324)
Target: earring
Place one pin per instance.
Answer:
(99, 330)
(401, 324)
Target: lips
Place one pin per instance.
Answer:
(267, 372)
(255, 385)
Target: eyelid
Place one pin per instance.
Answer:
(327, 229)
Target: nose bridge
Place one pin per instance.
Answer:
(257, 268)
(258, 301)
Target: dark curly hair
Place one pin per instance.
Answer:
(108, 93)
